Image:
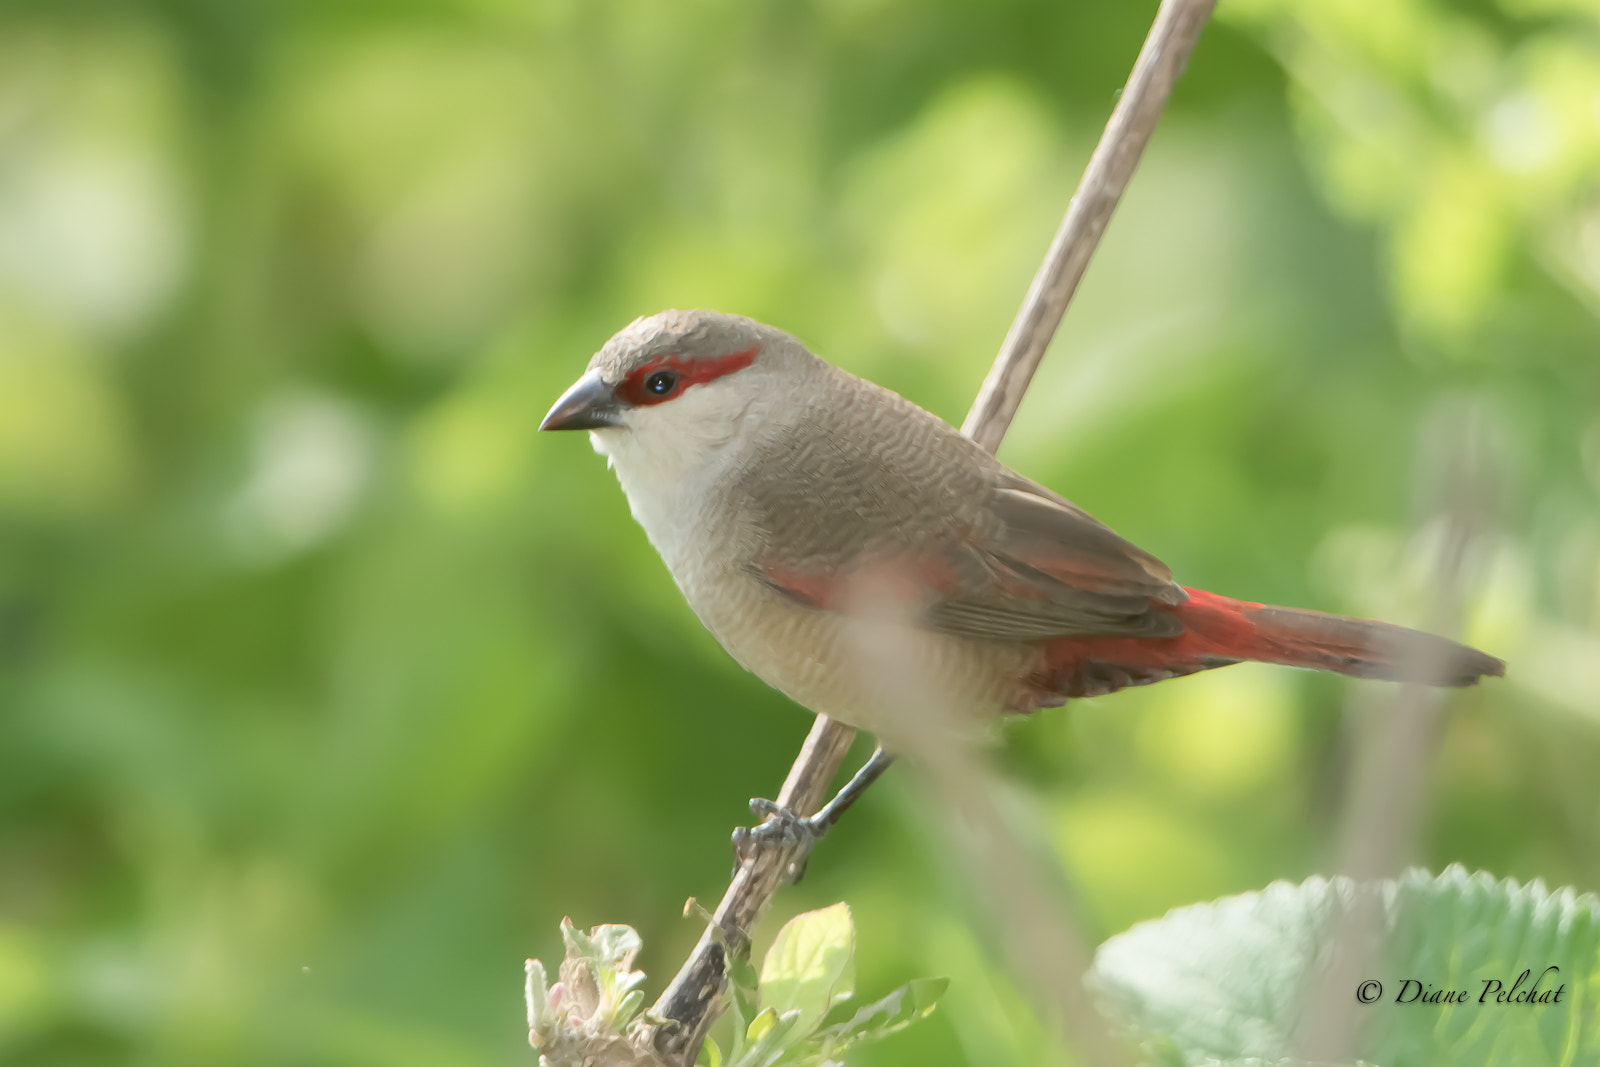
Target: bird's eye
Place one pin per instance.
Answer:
(661, 383)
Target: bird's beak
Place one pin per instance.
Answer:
(590, 404)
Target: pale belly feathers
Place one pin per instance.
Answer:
(884, 676)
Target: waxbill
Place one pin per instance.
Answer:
(788, 497)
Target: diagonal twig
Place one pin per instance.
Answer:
(694, 998)
(1166, 51)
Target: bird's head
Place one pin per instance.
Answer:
(673, 390)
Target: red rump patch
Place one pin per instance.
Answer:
(695, 370)
(1218, 630)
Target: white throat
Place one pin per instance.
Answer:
(671, 463)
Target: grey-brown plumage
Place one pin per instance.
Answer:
(796, 504)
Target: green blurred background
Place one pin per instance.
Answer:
(327, 687)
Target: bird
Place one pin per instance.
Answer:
(799, 507)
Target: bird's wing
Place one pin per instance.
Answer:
(1041, 567)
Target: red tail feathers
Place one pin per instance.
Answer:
(1219, 631)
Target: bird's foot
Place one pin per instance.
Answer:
(780, 830)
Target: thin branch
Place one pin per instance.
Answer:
(1166, 51)
(694, 999)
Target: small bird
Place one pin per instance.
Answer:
(791, 499)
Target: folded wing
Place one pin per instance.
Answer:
(1034, 567)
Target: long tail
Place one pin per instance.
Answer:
(1219, 630)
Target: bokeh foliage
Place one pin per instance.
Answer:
(326, 688)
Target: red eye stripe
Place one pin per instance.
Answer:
(695, 370)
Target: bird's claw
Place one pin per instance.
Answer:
(782, 830)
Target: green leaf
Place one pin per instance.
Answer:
(628, 1008)
(776, 1034)
(710, 1054)
(912, 1001)
(579, 944)
(537, 992)
(746, 1003)
(1225, 980)
(810, 963)
(742, 973)
(759, 1026)
(615, 944)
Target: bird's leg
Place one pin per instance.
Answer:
(783, 829)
